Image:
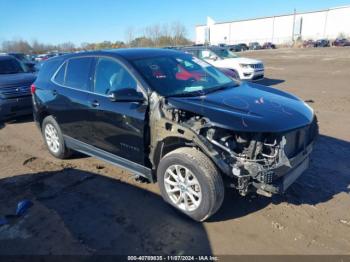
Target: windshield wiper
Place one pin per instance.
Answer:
(188, 94)
(204, 92)
(218, 88)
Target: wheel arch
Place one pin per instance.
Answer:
(167, 145)
(172, 143)
(41, 116)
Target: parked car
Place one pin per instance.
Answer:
(32, 57)
(15, 81)
(230, 73)
(232, 48)
(245, 68)
(341, 42)
(322, 43)
(309, 43)
(24, 59)
(269, 45)
(20, 56)
(242, 47)
(254, 46)
(174, 119)
(236, 48)
(43, 57)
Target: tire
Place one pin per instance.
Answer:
(56, 144)
(201, 172)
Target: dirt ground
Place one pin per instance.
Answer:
(86, 206)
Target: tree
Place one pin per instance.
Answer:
(153, 32)
(157, 35)
(16, 46)
(142, 42)
(129, 35)
(179, 34)
(66, 47)
(118, 44)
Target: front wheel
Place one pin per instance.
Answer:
(189, 181)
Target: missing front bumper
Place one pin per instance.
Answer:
(283, 183)
(286, 176)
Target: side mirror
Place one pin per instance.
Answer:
(126, 95)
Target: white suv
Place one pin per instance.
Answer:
(246, 68)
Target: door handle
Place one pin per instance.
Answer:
(95, 103)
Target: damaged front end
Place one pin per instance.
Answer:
(262, 162)
(265, 162)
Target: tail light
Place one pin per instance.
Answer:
(32, 89)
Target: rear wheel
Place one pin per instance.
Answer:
(54, 139)
(190, 182)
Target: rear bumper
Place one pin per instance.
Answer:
(15, 107)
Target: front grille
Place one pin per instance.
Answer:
(299, 139)
(257, 66)
(15, 91)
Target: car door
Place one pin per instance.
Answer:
(117, 127)
(72, 84)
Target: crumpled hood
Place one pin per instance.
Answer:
(249, 108)
(8, 80)
(235, 61)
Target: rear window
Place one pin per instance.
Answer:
(47, 69)
(59, 78)
(78, 73)
(11, 66)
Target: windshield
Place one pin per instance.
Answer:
(225, 53)
(182, 75)
(11, 66)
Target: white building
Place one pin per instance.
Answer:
(278, 29)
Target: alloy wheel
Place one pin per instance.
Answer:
(52, 138)
(182, 187)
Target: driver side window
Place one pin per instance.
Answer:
(110, 76)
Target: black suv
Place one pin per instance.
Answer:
(173, 118)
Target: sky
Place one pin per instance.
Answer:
(78, 21)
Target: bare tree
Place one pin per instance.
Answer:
(67, 47)
(178, 31)
(16, 46)
(158, 35)
(129, 35)
(153, 32)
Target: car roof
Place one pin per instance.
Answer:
(127, 53)
(135, 53)
(202, 48)
(6, 57)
